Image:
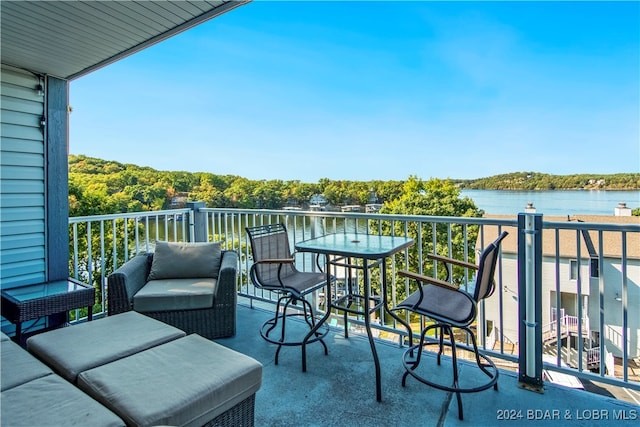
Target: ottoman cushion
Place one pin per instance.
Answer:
(53, 401)
(18, 367)
(184, 382)
(77, 348)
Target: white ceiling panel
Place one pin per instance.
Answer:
(68, 39)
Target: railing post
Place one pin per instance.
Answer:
(530, 301)
(197, 222)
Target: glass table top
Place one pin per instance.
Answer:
(356, 245)
(42, 290)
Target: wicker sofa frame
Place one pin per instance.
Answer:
(242, 414)
(212, 322)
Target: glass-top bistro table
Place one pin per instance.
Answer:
(43, 299)
(340, 250)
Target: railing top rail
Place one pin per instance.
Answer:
(90, 218)
(575, 225)
(389, 217)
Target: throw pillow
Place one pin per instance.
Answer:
(185, 260)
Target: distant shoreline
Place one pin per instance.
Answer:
(535, 181)
(553, 202)
(555, 189)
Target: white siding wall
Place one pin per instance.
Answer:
(613, 314)
(22, 180)
(612, 275)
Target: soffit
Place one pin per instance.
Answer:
(68, 39)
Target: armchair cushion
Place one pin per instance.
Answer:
(175, 294)
(185, 260)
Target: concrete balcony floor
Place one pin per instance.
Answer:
(339, 389)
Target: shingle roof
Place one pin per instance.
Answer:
(612, 241)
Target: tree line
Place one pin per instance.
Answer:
(543, 181)
(98, 186)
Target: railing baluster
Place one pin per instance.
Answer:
(89, 255)
(102, 264)
(75, 250)
(625, 318)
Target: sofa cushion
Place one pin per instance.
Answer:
(205, 379)
(184, 260)
(77, 348)
(175, 294)
(53, 401)
(18, 367)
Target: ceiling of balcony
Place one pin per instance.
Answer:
(68, 39)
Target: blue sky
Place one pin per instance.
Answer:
(376, 90)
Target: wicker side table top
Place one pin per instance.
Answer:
(43, 299)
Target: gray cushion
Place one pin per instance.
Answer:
(175, 294)
(4, 337)
(77, 348)
(53, 401)
(185, 260)
(185, 382)
(18, 367)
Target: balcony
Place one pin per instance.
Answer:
(585, 284)
(339, 389)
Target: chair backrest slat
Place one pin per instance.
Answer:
(487, 268)
(270, 242)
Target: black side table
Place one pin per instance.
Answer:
(44, 299)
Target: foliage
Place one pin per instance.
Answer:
(99, 186)
(432, 198)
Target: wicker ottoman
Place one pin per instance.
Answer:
(33, 395)
(190, 381)
(75, 349)
(53, 401)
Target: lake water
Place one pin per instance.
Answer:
(556, 202)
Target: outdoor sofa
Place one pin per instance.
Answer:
(127, 369)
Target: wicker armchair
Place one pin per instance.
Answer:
(215, 321)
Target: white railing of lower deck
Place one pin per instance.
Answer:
(95, 253)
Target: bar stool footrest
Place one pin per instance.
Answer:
(269, 329)
(488, 367)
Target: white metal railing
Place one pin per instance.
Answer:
(228, 225)
(567, 325)
(593, 356)
(612, 290)
(100, 244)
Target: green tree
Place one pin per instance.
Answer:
(434, 197)
(240, 194)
